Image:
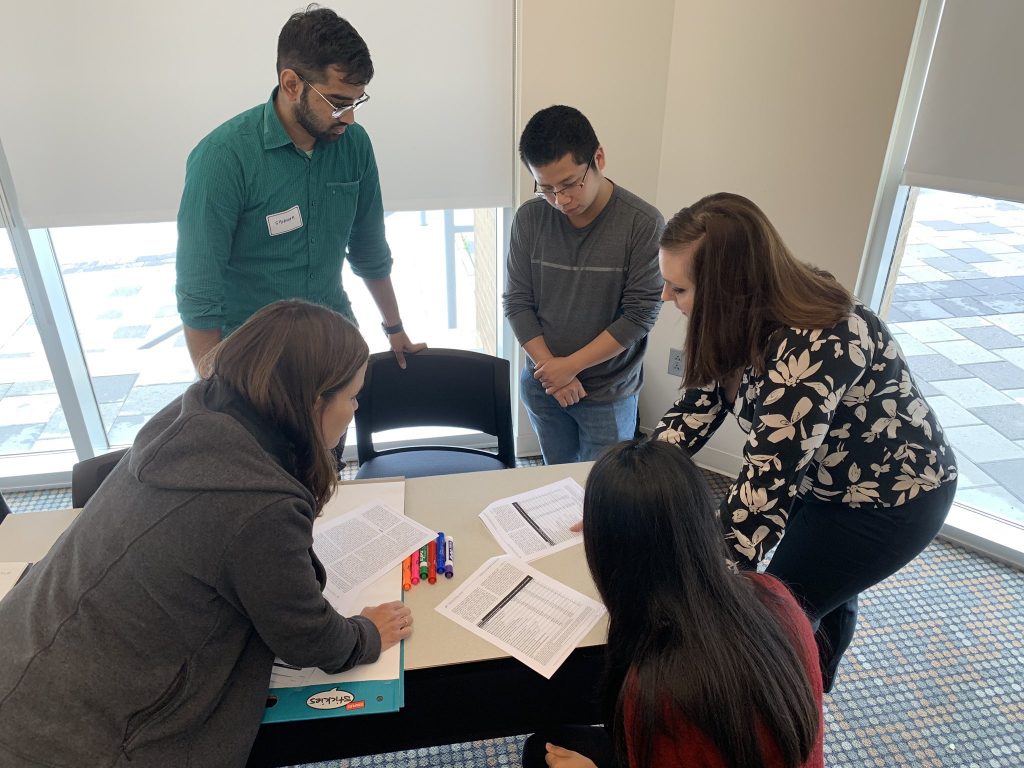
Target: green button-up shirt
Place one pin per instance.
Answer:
(260, 220)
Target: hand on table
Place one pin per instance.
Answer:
(402, 346)
(560, 757)
(555, 373)
(570, 394)
(393, 621)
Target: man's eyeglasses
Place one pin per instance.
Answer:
(337, 112)
(569, 190)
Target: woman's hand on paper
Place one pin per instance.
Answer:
(393, 621)
(560, 757)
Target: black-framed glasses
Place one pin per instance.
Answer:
(569, 190)
(337, 112)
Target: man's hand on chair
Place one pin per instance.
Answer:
(402, 346)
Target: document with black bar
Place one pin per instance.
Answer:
(536, 523)
(527, 614)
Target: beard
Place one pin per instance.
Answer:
(304, 117)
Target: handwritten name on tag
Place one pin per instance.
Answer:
(285, 221)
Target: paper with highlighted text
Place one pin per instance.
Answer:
(536, 523)
(526, 613)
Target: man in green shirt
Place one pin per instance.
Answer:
(275, 196)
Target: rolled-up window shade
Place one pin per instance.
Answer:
(969, 134)
(104, 101)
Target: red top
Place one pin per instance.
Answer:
(690, 747)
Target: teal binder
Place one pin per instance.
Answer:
(337, 698)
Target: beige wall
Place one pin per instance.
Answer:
(610, 60)
(789, 102)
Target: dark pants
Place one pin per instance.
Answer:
(831, 553)
(592, 741)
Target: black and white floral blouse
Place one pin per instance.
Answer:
(837, 416)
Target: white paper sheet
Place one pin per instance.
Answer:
(527, 614)
(536, 523)
(385, 588)
(360, 546)
(10, 573)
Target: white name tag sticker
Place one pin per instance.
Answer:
(285, 221)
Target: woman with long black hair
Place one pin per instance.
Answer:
(704, 666)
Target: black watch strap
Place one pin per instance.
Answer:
(390, 330)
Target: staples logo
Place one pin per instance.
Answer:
(332, 699)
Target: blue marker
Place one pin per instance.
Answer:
(440, 552)
(449, 557)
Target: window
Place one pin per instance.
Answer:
(119, 284)
(31, 419)
(956, 305)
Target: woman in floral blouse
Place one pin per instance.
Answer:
(843, 454)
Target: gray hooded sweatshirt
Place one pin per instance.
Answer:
(146, 635)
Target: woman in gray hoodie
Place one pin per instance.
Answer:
(146, 635)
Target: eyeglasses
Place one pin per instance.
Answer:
(337, 112)
(551, 195)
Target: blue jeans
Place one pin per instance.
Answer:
(578, 432)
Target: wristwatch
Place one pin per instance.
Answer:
(390, 330)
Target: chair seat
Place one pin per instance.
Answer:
(427, 464)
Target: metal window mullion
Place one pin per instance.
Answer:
(40, 272)
(891, 196)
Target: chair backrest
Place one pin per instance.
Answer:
(438, 388)
(4, 509)
(88, 475)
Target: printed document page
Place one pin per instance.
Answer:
(527, 614)
(10, 574)
(359, 546)
(383, 589)
(536, 523)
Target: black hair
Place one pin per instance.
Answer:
(687, 636)
(553, 133)
(317, 38)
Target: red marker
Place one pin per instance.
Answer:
(432, 561)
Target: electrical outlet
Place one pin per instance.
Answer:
(675, 362)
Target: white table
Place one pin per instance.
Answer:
(458, 686)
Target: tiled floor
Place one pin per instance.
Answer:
(958, 313)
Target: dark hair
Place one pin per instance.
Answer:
(747, 285)
(317, 38)
(555, 132)
(686, 634)
(281, 361)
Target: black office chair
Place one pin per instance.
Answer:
(438, 388)
(4, 509)
(87, 476)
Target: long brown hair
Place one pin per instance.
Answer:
(281, 360)
(747, 285)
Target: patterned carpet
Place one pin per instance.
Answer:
(935, 675)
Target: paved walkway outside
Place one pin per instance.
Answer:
(120, 282)
(958, 312)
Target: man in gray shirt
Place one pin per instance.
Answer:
(582, 290)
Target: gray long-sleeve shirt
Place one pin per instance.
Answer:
(568, 285)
